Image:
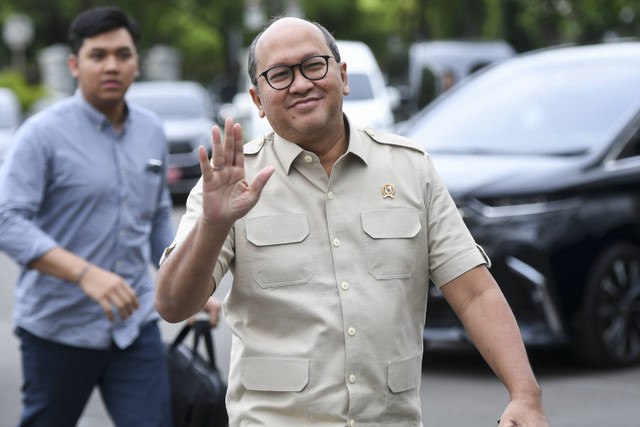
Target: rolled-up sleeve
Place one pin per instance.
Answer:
(23, 179)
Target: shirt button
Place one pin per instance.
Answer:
(336, 242)
(352, 378)
(344, 286)
(308, 158)
(330, 195)
(351, 331)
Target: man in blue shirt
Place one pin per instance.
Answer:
(85, 210)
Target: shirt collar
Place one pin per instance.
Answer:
(288, 151)
(96, 117)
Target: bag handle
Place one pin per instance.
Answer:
(200, 328)
(203, 328)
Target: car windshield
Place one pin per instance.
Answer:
(548, 109)
(360, 87)
(172, 106)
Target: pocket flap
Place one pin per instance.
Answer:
(391, 223)
(405, 374)
(277, 229)
(269, 374)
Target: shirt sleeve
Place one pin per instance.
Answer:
(23, 181)
(162, 232)
(452, 249)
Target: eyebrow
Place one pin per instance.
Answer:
(117, 49)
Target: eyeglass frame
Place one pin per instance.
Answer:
(293, 75)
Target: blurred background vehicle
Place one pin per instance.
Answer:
(541, 154)
(434, 66)
(371, 102)
(10, 118)
(187, 111)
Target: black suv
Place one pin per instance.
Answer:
(542, 156)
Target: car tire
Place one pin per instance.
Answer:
(608, 322)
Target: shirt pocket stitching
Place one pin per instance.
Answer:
(392, 241)
(274, 374)
(280, 250)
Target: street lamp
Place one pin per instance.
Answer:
(18, 33)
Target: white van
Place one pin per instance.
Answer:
(370, 102)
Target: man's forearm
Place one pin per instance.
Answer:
(494, 331)
(479, 303)
(185, 280)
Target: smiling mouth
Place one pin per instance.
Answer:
(304, 102)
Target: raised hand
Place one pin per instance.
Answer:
(226, 195)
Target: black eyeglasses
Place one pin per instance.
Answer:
(312, 68)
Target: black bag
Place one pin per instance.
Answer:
(197, 389)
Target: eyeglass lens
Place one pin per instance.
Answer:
(313, 68)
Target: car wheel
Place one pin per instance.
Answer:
(608, 324)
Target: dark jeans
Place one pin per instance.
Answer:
(59, 379)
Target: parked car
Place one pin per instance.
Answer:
(187, 113)
(541, 154)
(10, 118)
(371, 102)
(436, 65)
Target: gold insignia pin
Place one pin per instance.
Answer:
(388, 190)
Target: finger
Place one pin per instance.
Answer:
(125, 300)
(217, 152)
(229, 141)
(124, 309)
(238, 158)
(205, 165)
(106, 307)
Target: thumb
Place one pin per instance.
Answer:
(261, 179)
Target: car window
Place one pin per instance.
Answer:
(632, 148)
(359, 87)
(169, 105)
(544, 110)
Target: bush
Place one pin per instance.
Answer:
(27, 94)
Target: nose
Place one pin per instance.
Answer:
(111, 63)
(300, 83)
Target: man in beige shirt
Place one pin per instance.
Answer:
(331, 231)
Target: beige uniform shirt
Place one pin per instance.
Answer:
(329, 293)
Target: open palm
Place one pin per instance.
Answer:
(226, 194)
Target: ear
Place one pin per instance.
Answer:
(72, 63)
(344, 78)
(255, 97)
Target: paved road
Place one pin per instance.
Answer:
(457, 388)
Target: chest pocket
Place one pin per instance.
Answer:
(280, 253)
(392, 246)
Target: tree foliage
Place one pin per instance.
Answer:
(211, 33)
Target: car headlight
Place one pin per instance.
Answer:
(518, 206)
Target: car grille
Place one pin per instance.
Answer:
(178, 147)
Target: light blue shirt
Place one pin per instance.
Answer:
(70, 180)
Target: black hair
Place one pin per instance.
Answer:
(98, 20)
(251, 60)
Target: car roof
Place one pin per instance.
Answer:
(357, 55)
(625, 50)
(166, 85)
